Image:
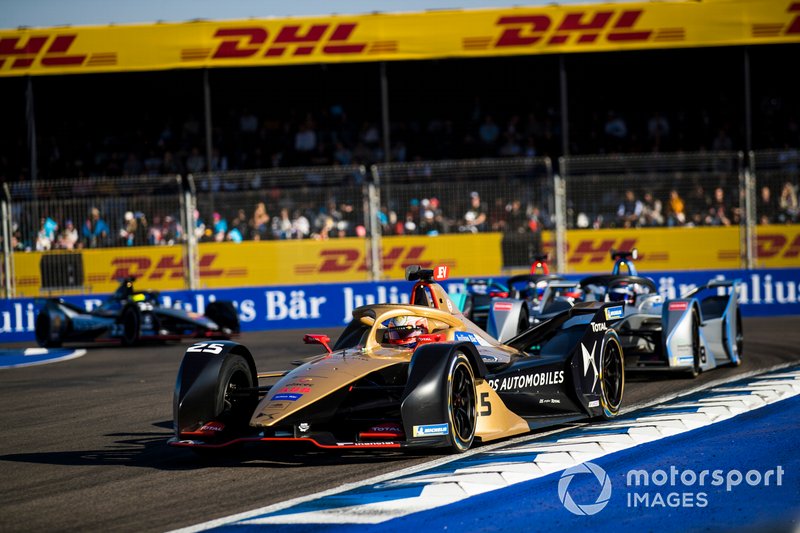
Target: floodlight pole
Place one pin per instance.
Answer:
(387, 154)
(209, 140)
(562, 71)
(748, 111)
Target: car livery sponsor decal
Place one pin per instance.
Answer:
(594, 403)
(614, 313)
(431, 429)
(277, 406)
(678, 306)
(215, 427)
(470, 337)
(598, 327)
(525, 381)
(288, 397)
(503, 306)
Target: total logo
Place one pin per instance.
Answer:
(598, 327)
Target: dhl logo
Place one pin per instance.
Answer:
(296, 39)
(599, 250)
(165, 267)
(778, 29)
(580, 27)
(51, 50)
(352, 260)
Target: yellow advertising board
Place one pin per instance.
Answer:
(259, 263)
(679, 248)
(401, 36)
(341, 260)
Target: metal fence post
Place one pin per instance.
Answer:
(190, 255)
(373, 199)
(8, 251)
(560, 197)
(749, 204)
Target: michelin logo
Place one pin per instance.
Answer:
(614, 313)
(431, 429)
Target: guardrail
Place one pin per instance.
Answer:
(75, 235)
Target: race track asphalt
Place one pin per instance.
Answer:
(83, 442)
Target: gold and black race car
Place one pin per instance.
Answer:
(406, 375)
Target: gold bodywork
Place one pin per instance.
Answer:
(329, 373)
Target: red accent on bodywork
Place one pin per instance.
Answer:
(318, 339)
(678, 306)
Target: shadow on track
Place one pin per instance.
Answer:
(150, 450)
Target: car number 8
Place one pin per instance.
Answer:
(206, 348)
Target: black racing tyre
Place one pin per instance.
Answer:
(237, 395)
(130, 319)
(612, 376)
(523, 324)
(695, 371)
(43, 333)
(462, 409)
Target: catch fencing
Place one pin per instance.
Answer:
(531, 206)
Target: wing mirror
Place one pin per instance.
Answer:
(318, 339)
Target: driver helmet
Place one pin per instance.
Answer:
(403, 330)
(624, 293)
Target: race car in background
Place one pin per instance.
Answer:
(475, 297)
(405, 375)
(129, 316)
(697, 332)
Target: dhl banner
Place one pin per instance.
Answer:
(679, 248)
(252, 263)
(401, 36)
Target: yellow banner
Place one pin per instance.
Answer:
(260, 263)
(387, 37)
(678, 248)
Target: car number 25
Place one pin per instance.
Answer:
(204, 347)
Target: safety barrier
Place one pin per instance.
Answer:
(348, 223)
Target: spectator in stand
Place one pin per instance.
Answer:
(789, 210)
(475, 217)
(657, 131)
(652, 214)
(629, 210)
(488, 134)
(259, 224)
(95, 230)
(305, 141)
(616, 132)
(697, 205)
(282, 225)
(220, 227)
(429, 225)
(127, 234)
(171, 232)
(68, 238)
(44, 239)
(766, 207)
(199, 226)
(195, 162)
(153, 163)
(719, 212)
(676, 210)
(154, 232)
(301, 228)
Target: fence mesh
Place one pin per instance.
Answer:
(631, 191)
(95, 213)
(283, 203)
(511, 196)
(777, 181)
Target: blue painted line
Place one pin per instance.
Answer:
(36, 356)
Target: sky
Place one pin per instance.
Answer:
(42, 13)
